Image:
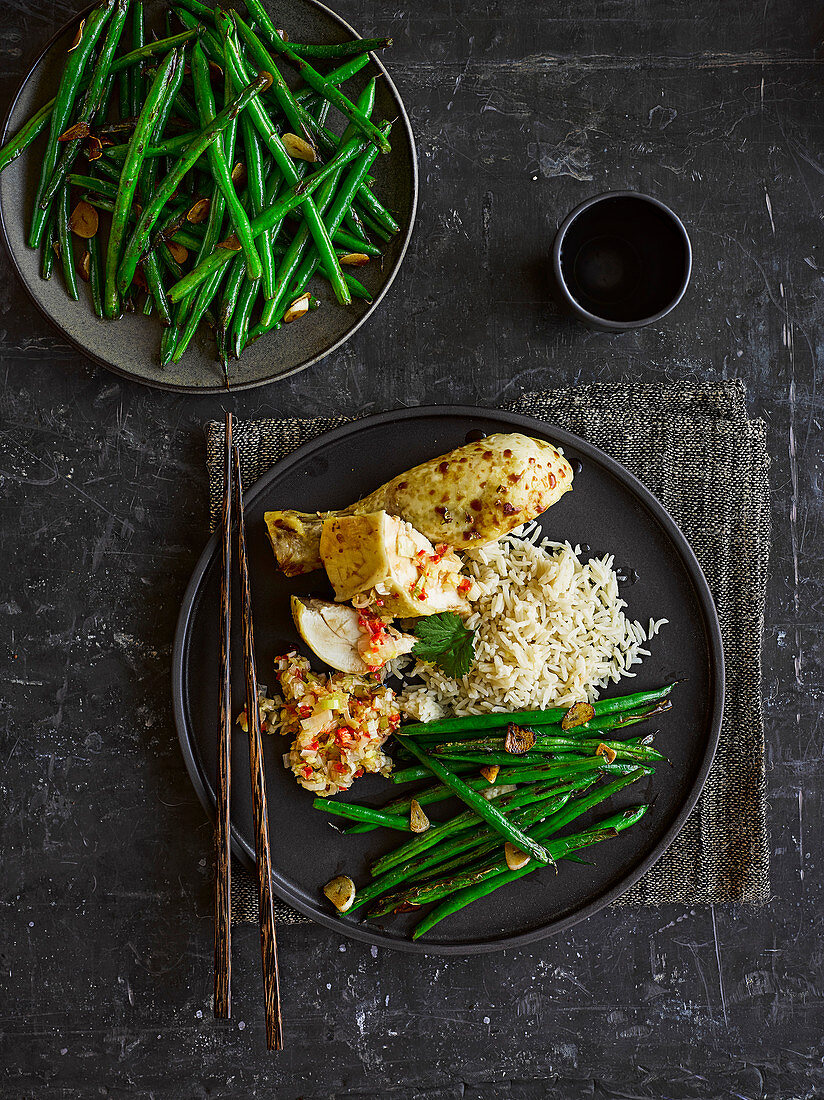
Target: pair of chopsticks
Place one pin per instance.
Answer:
(233, 515)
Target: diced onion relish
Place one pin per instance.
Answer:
(338, 724)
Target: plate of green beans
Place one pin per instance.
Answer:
(203, 198)
(494, 830)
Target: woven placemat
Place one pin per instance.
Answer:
(693, 446)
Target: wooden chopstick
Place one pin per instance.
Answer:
(223, 863)
(268, 938)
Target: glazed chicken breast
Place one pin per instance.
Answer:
(470, 496)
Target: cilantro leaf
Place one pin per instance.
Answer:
(446, 642)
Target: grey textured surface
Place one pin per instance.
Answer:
(105, 929)
(694, 447)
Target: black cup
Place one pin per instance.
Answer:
(621, 260)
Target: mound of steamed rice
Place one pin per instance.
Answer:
(550, 631)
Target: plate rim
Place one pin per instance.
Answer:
(364, 932)
(217, 388)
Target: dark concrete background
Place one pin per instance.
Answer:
(521, 110)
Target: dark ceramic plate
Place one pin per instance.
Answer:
(610, 511)
(130, 346)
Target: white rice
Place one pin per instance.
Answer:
(550, 631)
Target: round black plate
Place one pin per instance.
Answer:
(611, 512)
(130, 345)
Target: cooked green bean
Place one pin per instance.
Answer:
(272, 310)
(64, 102)
(433, 891)
(140, 238)
(220, 169)
(162, 86)
(38, 121)
(313, 78)
(236, 67)
(92, 100)
(95, 275)
(340, 49)
(308, 96)
(342, 239)
(533, 717)
(49, 249)
(429, 859)
(376, 210)
(354, 812)
(102, 187)
(480, 805)
(506, 803)
(64, 236)
(138, 39)
(256, 184)
(277, 211)
(459, 900)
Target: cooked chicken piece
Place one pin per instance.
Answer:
(346, 639)
(469, 497)
(384, 564)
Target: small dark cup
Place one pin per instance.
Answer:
(621, 260)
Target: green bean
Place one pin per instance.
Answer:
(433, 891)
(354, 224)
(49, 250)
(95, 275)
(161, 87)
(25, 135)
(340, 49)
(220, 169)
(376, 210)
(622, 750)
(138, 39)
(545, 735)
(332, 221)
(107, 170)
(606, 829)
(64, 101)
(228, 304)
(493, 758)
(38, 121)
(92, 99)
(274, 214)
(428, 859)
(478, 846)
(64, 236)
(257, 199)
(102, 187)
(242, 316)
(480, 805)
(312, 77)
(294, 253)
(166, 188)
(202, 11)
(151, 269)
(172, 145)
(506, 803)
(533, 717)
(191, 311)
(507, 777)
(205, 295)
(296, 114)
(353, 244)
(354, 812)
(370, 224)
(307, 96)
(609, 721)
(236, 67)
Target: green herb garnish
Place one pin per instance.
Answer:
(446, 642)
